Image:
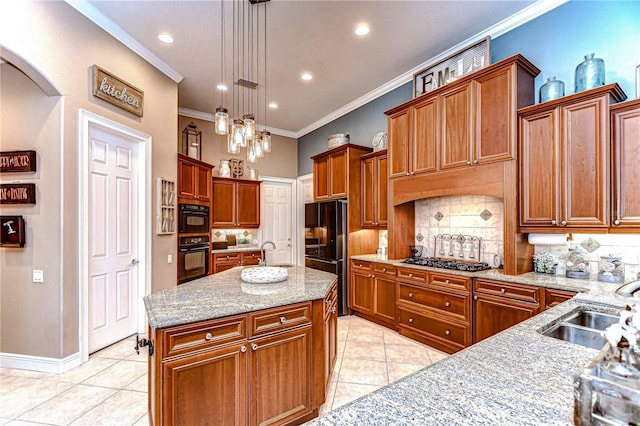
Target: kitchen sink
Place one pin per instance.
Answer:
(592, 319)
(576, 334)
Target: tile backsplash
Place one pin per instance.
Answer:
(478, 216)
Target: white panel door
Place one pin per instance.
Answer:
(277, 223)
(113, 233)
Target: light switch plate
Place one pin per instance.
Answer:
(38, 276)
(169, 258)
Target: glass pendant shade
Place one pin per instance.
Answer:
(251, 155)
(266, 141)
(249, 126)
(257, 146)
(221, 121)
(237, 132)
(232, 147)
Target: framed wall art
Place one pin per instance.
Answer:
(12, 231)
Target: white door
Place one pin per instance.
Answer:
(113, 232)
(277, 223)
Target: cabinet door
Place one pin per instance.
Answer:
(495, 107)
(539, 169)
(362, 292)
(206, 388)
(398, 144)
(281, 377)
(368, 184)
(224, 203)
(424, 146)
(248, 207)
(203, 188)
(585, 135)
(457, 132)
(553, 297)
(321, 178)
(493, 315)
(338, 174)
(380, 203)
(384, 305)
(187, 180)
(626, 167)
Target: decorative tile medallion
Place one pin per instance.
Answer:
(419, 237)
(438, 216)
(245, 233)
(486, 214)
(590, 245)
(217, 234)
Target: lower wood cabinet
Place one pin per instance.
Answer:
(372, 291)
(330, 334)
(498, 306)
(553, 297)
(223, 261)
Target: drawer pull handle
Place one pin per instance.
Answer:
(447, 304)
(208, 336)
(254, 346)
(410, 319)
(385, 269)
(410, 275)
(283, 319)
(243, 349)
(502, 290)
(446, 281)
(410, 294)
(447, 332)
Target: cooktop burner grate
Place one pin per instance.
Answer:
(438, 262)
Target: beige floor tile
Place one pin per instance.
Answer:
(336, 369)
(26, 423)
(69, 405)
(412, 354)
(347, 392)
(11, 383)
(29, 396)
(84, 371)
(121, 350)
(144, 421)
(123, 408)
(399, 370)
(328, 402)
(435, 355)
(26, 373)
(395, 338)
(366, 334)
(363, 371)
(4, 421)
(141, 384)
(365, 350)
(119, 375)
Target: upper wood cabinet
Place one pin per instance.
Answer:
(564, 162)
(468, 122)
(236, 203)
(625, 143)
(194, 179)
(374, 175)
(335, 169)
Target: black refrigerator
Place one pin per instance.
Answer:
(325, 242)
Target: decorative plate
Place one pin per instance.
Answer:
(380, 141)
(264, 274)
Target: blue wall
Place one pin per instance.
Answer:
(555, 42)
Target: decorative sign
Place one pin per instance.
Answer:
(465, 62)
(117, 92)
(18, 193)
(17, 161)
(12, 231)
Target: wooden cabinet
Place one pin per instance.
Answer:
(236, 203)
(223, 261)
(330, 333)
(498, 306)
(434, 308)
(372, 291)
(564, 162)
(374, 175)
(456, 141)
(333, 171)
(258, 368)
(553, 297)
(625, 143)
(194, 180)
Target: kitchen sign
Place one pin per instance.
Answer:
(17, 161)
(116, 91)
(467, 61)
(18, 193)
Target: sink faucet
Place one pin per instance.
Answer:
(629, 288)
(263, 261)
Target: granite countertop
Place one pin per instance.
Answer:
(223, 294)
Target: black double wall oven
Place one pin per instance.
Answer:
(193, 242)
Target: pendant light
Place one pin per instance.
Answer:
(221, 116)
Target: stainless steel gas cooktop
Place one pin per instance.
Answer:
(438, 262)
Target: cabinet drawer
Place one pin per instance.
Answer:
(450, 281)
(189, 338)
(277, 319)
(509, 290)
(412, 274)
(226, 258)
(384, 269)
(247, 256)
(553, 297)
(458, 334)
(446, 303)
(361, 265)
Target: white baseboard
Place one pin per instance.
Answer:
(38, 363)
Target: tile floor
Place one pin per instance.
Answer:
(111, 388)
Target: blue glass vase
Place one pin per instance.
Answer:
(552, 89)
(589, 73)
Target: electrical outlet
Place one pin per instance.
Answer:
(38, 276)
(169, 258)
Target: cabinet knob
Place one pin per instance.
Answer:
(384, 269)
(468, 162)
(227, 257)
(447, 332)
(410, 319)
(410, 275)
(369, 275)
(475, 297)
(283, 319)
(475, 161)
(408, 173)
(208, 336)
(502, 290)
(243, 349)
(410, 294)
(563, 223)
(446, 281)
(447, 304)
(553, 222)
(373, 275)
(254, 346)
(616, 222)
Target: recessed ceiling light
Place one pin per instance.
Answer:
(362, 29)
(165, 38)
(273, 105)
(306, 76)
(222, 87)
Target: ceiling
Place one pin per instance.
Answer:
(303, 35)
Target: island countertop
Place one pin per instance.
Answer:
(223, 294)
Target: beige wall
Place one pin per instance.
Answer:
(43, 319)
(282, 161)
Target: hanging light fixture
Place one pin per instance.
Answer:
(222, 116)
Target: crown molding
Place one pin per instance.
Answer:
(98, 18)
(186, 112)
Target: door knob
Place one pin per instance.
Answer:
(134, 261)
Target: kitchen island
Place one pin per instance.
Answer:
(232, 352)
